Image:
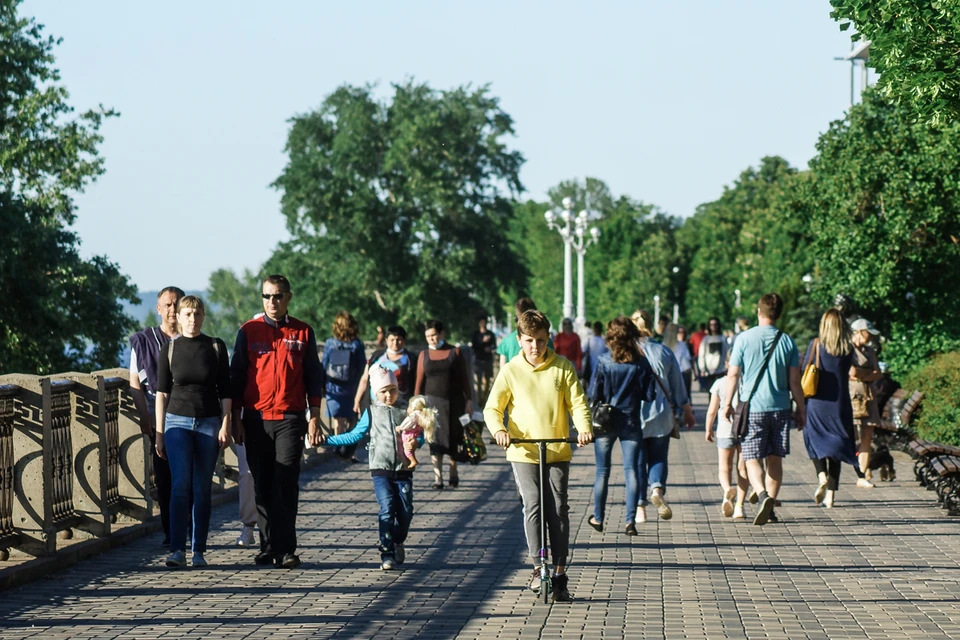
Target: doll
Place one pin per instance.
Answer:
(421, 418)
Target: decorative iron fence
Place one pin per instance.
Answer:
(73, 459)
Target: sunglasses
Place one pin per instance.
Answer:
(273, 296)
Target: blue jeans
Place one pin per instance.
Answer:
(603, 450)
(653, 465)
(192, 450)
(395, 497)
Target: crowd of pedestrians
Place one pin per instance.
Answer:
(276, 395)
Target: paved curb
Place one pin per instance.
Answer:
(30, 570)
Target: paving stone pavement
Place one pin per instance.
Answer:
(884, 564)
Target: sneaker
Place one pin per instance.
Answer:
(263, 558)
(596, 524)
(399, 553)
(773, 518)
(738, 512)
(246, 538)
(288, 561)
(863, 483)
(177, 559)
(388, 564)
(641, 516)
(726, 507)
(535, 581)
(753, 498)
(558, 585)
(766, 508)
(820, 492)
(663, 509)
(198, 561)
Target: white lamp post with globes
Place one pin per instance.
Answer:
(576, 237)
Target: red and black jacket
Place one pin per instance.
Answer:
(275, 368)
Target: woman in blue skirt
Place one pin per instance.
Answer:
(828, 434)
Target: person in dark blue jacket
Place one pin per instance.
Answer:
(623, 379)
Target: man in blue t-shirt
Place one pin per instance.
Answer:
(768, 434)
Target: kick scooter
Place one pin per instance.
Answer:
(542, 467)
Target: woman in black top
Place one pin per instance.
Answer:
(193, 425)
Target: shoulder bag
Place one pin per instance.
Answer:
(741, 416)
(601, 413)
(811, 375)
(675, 432)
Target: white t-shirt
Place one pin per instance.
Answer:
(724, 427)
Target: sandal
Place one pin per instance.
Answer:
(594, 523)
(438, 485)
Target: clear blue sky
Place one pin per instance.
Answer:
(665, 101)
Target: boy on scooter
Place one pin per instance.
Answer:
(540, 392)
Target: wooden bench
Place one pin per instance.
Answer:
(894, 427)
(945, 477)
(924, 451)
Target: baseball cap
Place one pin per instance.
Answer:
(861, 324)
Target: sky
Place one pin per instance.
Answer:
(667, 102)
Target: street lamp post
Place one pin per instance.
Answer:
(656, 311)
(576, 237)
(566, 215)
(676, 296)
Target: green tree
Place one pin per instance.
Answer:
(540, 252)
(632, 261)
(914, 46)
(232, 300)
(742, 241)
(60, 311)
(883, 209)
(399, 211)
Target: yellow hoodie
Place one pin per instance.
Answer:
(539, 401)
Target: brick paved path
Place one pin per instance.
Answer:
(884, 564)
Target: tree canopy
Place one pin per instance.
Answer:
(399, 210)
(60, 311)
(914, 46)
(882, 206)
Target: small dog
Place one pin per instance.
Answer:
(882, 460)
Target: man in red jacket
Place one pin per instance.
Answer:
(567, 344)
(276, 375)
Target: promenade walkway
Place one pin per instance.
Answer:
(884, 564)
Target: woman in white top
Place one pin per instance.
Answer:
(728, 446)
(712, 355)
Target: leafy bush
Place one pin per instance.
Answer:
(938, 418)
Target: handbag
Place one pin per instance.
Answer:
(811, 375)
(601, 415)
(675, 432)
(860, 400)
(741, 415)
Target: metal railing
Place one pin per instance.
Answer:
(73, 459)
(8, 397)
(58, 452)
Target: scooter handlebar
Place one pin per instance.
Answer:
(546, 440)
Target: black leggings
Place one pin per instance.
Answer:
(831, 467)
